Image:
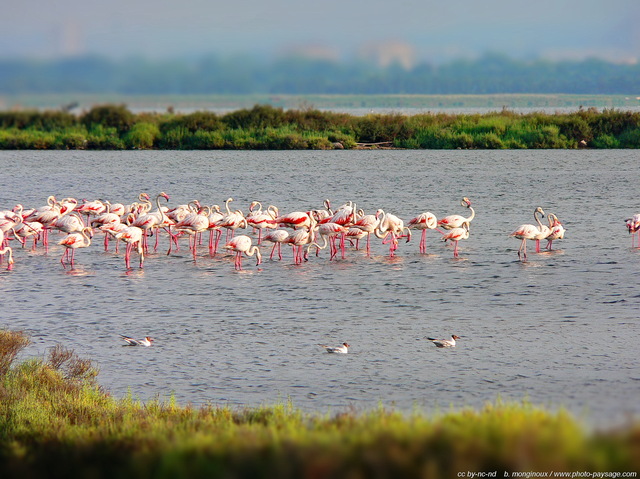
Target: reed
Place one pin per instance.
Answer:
(56, 421)
(266, 127)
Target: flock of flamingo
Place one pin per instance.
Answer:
(306, 231)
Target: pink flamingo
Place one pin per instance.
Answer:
(557, 230)
(132, 235)
(455, 235)
(424, 221)
(356, 234)
(26, 229)
(112, 229)
(73, 241)
(242, 244)
(194, 224)
(298, 239)
(544, 232)
(455, 221)
(91, 208)
(105, 219)
(4, 250)
(368, 224)
(215, 216)
(263, 220)
(633, 225)
(232, 220)
(277, 237)
(150, 221)
(332, 231)
(527, 232)
(390, 229)
(46, 215)
(297, 220)
(345, 216)
(71, 223)
(8, 221)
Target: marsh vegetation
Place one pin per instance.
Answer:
(263, 127)
(56, 421)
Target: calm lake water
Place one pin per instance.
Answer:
(561, 329)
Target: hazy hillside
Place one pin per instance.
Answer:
(489, 74)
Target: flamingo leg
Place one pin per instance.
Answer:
(127, 255)
(219, 235)
(423, 242)
(333, 249)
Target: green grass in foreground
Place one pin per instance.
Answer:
(55, 421)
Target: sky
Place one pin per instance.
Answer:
(424, 30)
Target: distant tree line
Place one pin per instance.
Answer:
(114, 127)
(489, 74)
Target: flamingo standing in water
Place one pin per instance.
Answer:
(296, 220)
(263, 220)
(455, 221)
(528, 232)
(132, 235)
(633, 225)
(356, 234)
(242, 244)
(150, 221)
(455, 235)
(214, 230)
(557, 230)
(331, 231)
(91, 208)
(544, 232)
(73, 241)
(194, 224)
(424, 221)
(298, 239)
(368, 224)
(390, 229)
(4, 250)
(46, 215)
(277, 237)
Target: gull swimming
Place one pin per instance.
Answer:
(445, 343)
(146, 341)
(344, 349)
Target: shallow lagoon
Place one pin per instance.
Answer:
(560, 329)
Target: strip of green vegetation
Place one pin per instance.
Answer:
(112, 127)
(55, 421)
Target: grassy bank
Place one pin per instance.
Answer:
(55, 421)
(267, 127)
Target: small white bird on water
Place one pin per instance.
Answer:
(146, 341)
(445, 343)
(344, 349)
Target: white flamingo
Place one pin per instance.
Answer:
(528, 232)
(424, 221)
(241, 244)
(456, 221)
